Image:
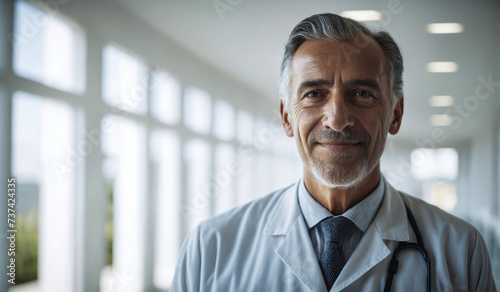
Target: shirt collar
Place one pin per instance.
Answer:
(360, 214)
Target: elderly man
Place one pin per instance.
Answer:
(342, 227)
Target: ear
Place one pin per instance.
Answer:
(285, 120)
(397, 116)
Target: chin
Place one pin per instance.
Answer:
(339, 177)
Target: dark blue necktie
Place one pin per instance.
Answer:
(332, 260)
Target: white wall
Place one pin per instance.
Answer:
(482, 194)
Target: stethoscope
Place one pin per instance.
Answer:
(393, 265)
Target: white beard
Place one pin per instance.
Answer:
(340, 178)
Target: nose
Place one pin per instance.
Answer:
(337, 114)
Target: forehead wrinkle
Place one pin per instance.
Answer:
(308, 65)
(309, 68)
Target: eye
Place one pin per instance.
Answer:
(314, 94)
(363, 93)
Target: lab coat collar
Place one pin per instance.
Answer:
(389, 226)
(285, 212)
(390, 221)
(296, 250)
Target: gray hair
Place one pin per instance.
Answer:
(335, 27)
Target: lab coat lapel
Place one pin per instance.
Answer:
(388, 227)
(295, 250)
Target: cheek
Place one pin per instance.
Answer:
(304, 121)
(381, 130)
(376, 124)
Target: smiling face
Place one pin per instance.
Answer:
(340, 109)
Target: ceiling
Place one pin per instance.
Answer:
(246, 39)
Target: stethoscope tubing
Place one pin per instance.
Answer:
(394, 263)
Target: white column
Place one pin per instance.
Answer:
(150, 211)
(92, 200)
(496, 203)
(6, 27)
(57, 198)
(184, 223)
(464, 187)
(129, 205)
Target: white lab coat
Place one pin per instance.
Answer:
(265, 246)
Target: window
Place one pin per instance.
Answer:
(197, 110)
(165, 150)
(200, 189)
(436, 170)
(262, 175)
(48, 54)
(45, 162)
(125, 84)
(286, 166)
(123, 145)
(441, 163)
(47, 49)
(225, 175)
(165, 98)
(246, 161)
(245, 127)
(224, 120)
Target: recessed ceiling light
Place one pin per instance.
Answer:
(441, 28)
(363, 15)
(441, 120)
(441, 100)
(440, 67)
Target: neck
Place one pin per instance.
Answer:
(340, 199)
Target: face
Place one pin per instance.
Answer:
(340, 109)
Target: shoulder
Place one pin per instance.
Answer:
(227, 237)
(439, 222)
(455, 246)
(435, 214)
(248, 218)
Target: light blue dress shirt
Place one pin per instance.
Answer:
(361, 214)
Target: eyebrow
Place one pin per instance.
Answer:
(370, 83)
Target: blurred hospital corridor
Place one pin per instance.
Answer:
(126, 123)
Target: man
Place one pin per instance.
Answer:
(339, 227)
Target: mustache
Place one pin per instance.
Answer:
(348, 134)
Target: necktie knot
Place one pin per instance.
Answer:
(336, 229)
